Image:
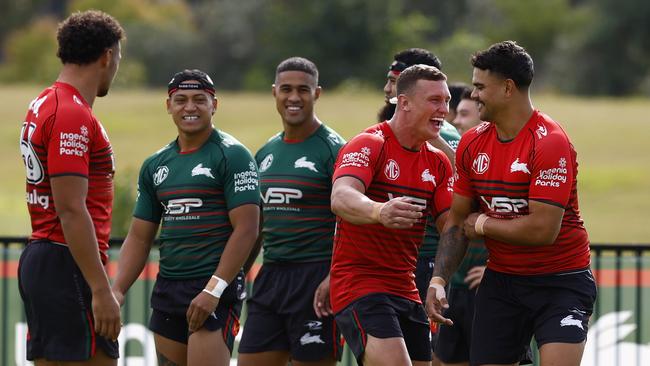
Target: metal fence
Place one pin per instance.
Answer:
(619, 333)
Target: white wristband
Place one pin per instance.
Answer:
(480, 221)
(218, 288)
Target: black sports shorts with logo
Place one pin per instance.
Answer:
(552, 307)
(58, 306)
(170, 300)
(386, 316)
(281, 314)
(423, 274)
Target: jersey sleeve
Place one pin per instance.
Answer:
(147, 207)
(552, 171)
(358, 158)
(461, 182)
(241, 178)
(444, 186)
(71, 135)
(331, 158)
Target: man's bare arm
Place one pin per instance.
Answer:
(453, 241)
(69, 193)
(133, 255)
(350, 203)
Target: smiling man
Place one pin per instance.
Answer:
(203, 189)
(289, 316)
(385, 181)
(521, 168)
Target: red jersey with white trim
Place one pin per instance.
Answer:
(372, 258)
(61, 136)
(538, 164)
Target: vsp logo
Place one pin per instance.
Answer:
(182, 205)
(414, 200)
(281, 195)
(505, 204)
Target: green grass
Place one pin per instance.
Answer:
(610, 135)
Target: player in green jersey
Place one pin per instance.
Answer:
(202, 189)
(289, 317)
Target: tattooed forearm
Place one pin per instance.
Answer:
(451, 250)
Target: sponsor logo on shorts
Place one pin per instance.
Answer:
(570, 321)
(314, 325)
(481, 163)
(308, 338)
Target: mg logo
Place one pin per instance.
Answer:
(391, 170)
(481, 163)
(160, 175)
(505, 204)
(281, 195)
(182, 205)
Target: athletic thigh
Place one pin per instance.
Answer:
(497, 307)
(58, 306)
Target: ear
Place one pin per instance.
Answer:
(403, 102)
(168, 104)
(273, 90)
(215, 103)
(106, 57)
(317, 92)
(510, 87)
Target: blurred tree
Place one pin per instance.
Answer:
(30, 53)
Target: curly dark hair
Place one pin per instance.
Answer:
(298, 64)
(84, 36)
(414, 56)
(508, 59)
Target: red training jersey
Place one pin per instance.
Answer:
(61, 136)
(372, 258)
(538, 164)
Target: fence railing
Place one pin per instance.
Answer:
(619, 333)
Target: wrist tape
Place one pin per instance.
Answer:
(217, 289)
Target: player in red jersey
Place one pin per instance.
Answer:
(520, 168)
(71, 311)
(387, 180)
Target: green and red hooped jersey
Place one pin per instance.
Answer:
(296, 184)
(190, 195)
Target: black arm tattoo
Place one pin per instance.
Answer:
(451, 251)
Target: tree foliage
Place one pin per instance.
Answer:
(573, 42)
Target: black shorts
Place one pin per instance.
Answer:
(171, 298)
(386, 316)
(554, 308)
(281, 314)
(423, 274)
(58, 306)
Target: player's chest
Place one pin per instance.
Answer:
(181, 171)
(501, 162)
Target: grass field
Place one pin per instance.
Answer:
(610, 135)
